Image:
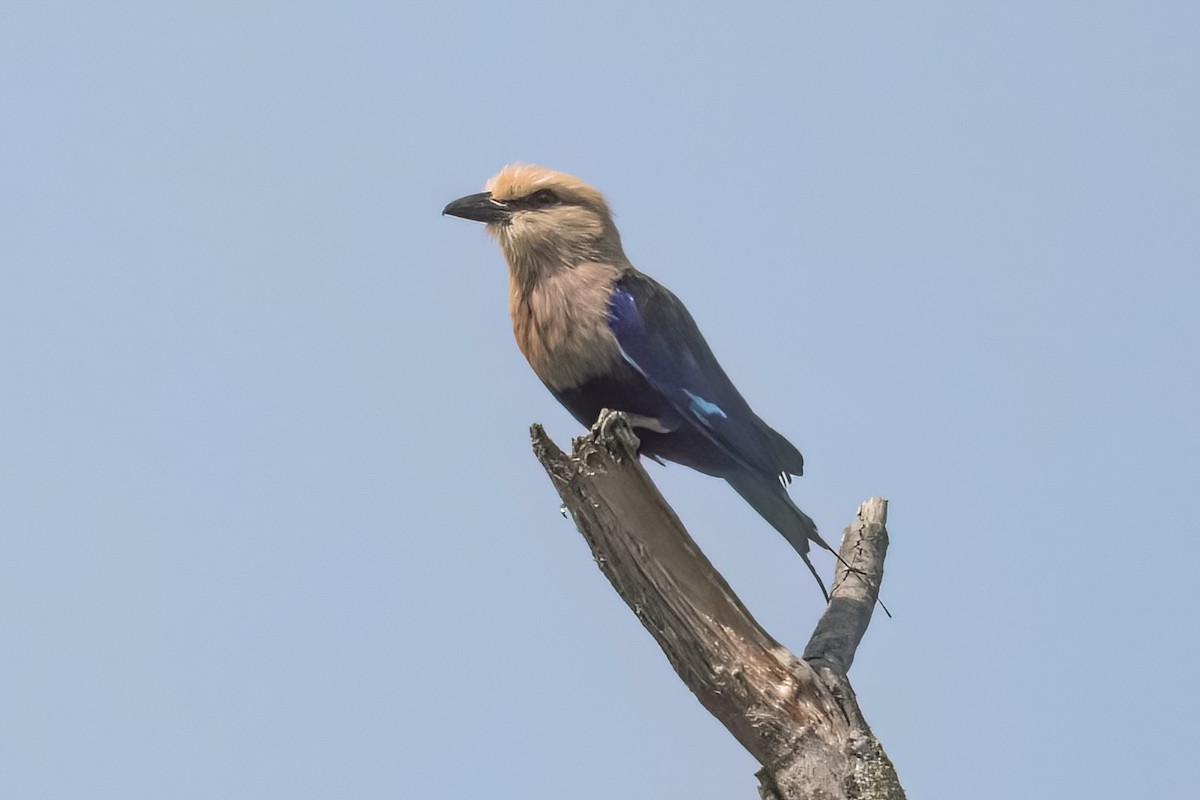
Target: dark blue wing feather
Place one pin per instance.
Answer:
(659, 339)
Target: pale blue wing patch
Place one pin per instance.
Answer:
(703, 408)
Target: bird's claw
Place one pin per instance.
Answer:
(614, 426)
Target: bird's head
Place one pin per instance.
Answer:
(543, 219)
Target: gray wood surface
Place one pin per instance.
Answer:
(798, 717)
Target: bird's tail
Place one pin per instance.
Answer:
(770, 499)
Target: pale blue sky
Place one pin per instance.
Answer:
(269, 522)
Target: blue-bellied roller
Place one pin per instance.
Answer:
(600, 334)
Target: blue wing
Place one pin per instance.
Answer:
(659, 339)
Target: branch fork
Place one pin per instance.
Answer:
(798, 717)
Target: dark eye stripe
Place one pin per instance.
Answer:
(540, 199)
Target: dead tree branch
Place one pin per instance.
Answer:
(798, 717)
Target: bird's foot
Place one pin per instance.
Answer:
(614, 426)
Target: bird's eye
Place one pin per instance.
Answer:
(543, 197)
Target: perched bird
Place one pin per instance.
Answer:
(600, 334)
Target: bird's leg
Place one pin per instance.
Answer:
(612, 425)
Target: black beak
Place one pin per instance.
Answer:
(479, 207)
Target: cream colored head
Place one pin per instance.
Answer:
(553, 220)
(518, 181)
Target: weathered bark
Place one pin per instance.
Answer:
(798, 717)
